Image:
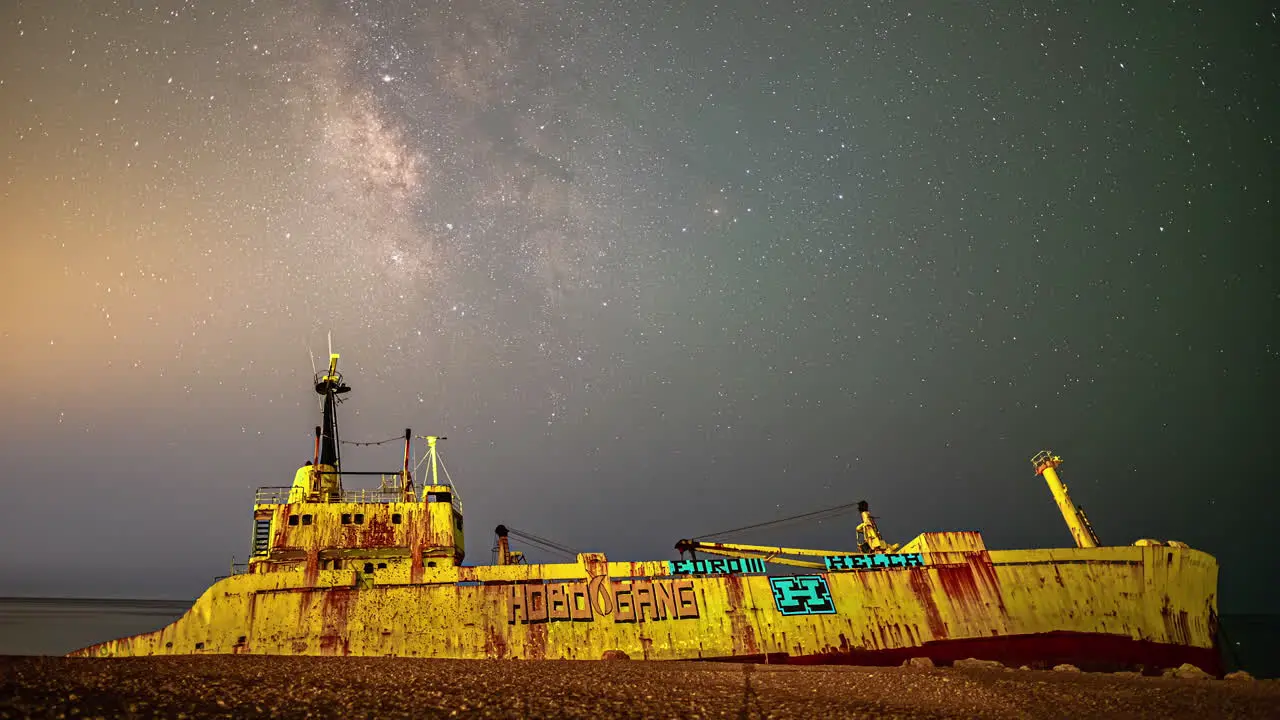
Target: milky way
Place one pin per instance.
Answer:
(453, 164)
(655, 269)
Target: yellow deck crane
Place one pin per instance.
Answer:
(504, 555)
(1046, 465)
(869, 541)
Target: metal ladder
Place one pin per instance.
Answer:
(261, 537)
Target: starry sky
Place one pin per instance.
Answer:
(655, 269)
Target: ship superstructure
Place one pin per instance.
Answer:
(317, 524)
(336, 571)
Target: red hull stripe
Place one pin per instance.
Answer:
(1092, 652)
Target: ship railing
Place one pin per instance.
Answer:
(236, 569)
(271, 495)
(280, 496)
(372, 495)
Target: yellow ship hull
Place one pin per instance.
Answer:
(1099, 608)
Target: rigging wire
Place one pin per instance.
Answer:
(374, 442)
(815, 515)
(440, 462)
(545, 544)
(447, 476)
(315, 374)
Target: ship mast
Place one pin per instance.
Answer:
(1046, 464)
(434, 456)
(330, 386)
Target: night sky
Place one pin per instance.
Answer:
(655, 269)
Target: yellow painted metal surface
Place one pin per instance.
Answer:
(314, 536)
(380, 572)
(1046, 464)
(963, 594)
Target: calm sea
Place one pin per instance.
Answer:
(56, 626)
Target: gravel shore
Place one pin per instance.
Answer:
(250, 687)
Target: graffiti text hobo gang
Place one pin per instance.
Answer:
(627, 601)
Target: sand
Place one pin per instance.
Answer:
(250, 687)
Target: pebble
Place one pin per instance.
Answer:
(976, 664)
(1187, 671)
(244, 686)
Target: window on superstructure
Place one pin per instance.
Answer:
(368, 567)
(306, 519)
(346, 518)
(395, 518)
(382, 566)
(359, 518)
(442, 497)
(293, 519)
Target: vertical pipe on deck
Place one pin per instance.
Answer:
(406, 481)
(316, 460)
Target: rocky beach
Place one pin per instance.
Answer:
(296, 687)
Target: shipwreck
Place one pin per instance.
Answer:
(376, 572)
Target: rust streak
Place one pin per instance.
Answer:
(536, 641)
(495, 644)
(923, 590)
(960, 587)
(744, 636)
(335, 605)
(985, 572)
(313, 566)
(379, 532)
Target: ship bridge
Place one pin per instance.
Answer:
(364, 530)
(392, 531)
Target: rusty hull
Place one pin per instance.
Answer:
(1103, 608)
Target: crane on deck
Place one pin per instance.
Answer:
(504, 555)
(869, 540)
